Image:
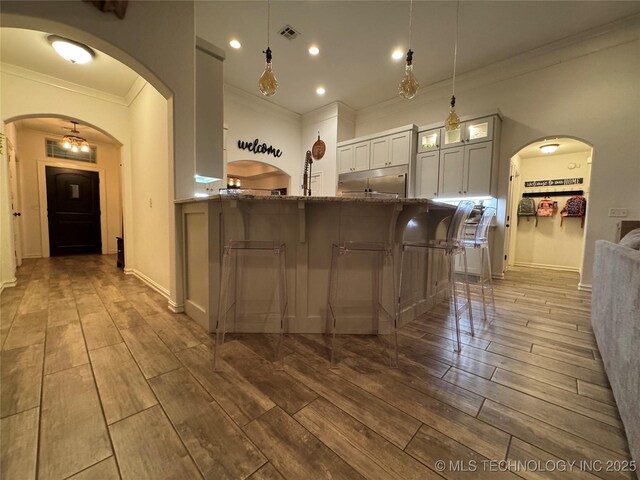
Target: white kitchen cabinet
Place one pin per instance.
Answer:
(345, 159)
(467, 158)
(427, 174)
(361, 155)
(400, 148)
(472, 131)
(477, 166)
(429, 140)
(379, 152)
(451, 170)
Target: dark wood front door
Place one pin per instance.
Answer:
(73, 205)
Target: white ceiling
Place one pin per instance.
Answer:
(567, 145)
(31, 50)
(58, 127)
(356, 39)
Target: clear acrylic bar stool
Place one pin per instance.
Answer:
(268, 257)
(380, 254)
(450, 248)
(481, 241)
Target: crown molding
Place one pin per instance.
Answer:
(61, 84)
(135, 90)
(592, 41)
(256, 103)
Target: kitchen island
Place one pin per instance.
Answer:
(308, 226)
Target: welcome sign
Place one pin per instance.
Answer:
(256, 147)
(554, 183)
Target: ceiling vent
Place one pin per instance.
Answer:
(289, 32)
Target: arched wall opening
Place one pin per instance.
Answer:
(547, 237)
(258, 175)
(142, 124)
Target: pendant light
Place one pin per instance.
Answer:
(268, 84)
(453, 121)
(74, 141)
(409, 85)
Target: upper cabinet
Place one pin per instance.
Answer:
(472, 131)
(467, 164)
(385, 149)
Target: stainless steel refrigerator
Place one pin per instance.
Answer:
(381, 180)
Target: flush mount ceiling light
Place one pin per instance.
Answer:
(74, 142)
(235, 44)
(320, 91)
(268, 84)
(314, 50)
(549, 148)
(453, 121)
(397, 54)
(70, 50)
(409, 85)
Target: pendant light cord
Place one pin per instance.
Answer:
(410, 23)
(455, 49)
(268, 23)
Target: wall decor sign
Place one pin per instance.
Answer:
(554, 183)
(257, 147)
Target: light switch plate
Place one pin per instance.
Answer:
(618, 212)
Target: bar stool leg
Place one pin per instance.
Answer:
(222, 304)
(399, 304)
(482, 282)
(488, 257)
(452, 286)
(333, 277)
(467, 288)
(284, 302)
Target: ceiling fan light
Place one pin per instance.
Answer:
(85, 147)
(66, 143)
(74, 148)
(549, 148)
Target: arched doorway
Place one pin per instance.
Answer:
(544, 175)
(258, 175)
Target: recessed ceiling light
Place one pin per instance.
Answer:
(235, 44)
(320, 91)
(71, 51)
(549, 147)
(397, 54)
(314, 50)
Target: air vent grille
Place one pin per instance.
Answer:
(289, 32)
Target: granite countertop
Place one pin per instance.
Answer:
(294, 198)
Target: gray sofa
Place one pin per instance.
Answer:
(615, 315)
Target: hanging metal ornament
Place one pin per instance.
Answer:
(318, 149)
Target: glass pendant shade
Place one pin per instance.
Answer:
(453, 121)
(408, 85)
(268, 84)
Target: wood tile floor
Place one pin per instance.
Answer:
(100, 381)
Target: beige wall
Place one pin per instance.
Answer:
(549, 244)
(588, 90)
(149, 183)
(31, 148)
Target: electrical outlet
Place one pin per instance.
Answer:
(618, 212)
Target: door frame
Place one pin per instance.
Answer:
(16, 201)
(42, 192)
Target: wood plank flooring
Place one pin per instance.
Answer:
(100, 381)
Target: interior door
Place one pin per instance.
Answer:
(15, 203)
(73, 206)
(451, 170)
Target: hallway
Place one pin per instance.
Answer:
(99, 380)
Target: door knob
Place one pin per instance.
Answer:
(17, 214)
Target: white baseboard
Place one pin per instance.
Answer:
(584, 287)
(32, 255)
(176, 307)
(549, 267)
(152, 283)
(8, 284)
(111, 252)
(498, 275)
